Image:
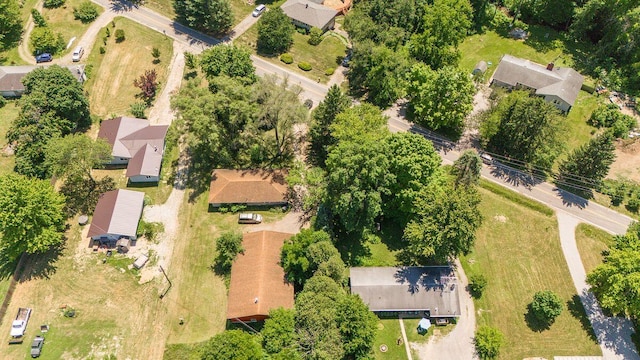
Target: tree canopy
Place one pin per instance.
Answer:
(440, 99)
(616, 281)
(467, 168)
(10, 23)
(324, 115)
(229, 60)
(275, 32)
(278, 334)
(31, 215)
(211, 16)
(232, 344)
(589, 164)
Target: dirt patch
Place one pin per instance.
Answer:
(500, 218)
(627, 163)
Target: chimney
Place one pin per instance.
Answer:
(550, 66)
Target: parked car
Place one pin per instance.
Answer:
(249, 218)
(44, 57)
(77, 54)
(259, 10)
(36, 346)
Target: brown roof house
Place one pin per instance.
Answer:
(248, 187)
(11, 77)
(307, 14)
(137, 144)
(556, 85)
(411, 291)
(258, 283)
(116, 216)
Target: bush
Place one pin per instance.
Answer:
(137, 110)
(315, 36)
(38, 19)
(633, 204)
(228, 246)
(102, 50)
(155, 52)
(43, 39)
(329, 71)
(86, 12)
(546, 306)
(50, 4)
(150, 230)
(488, 342)
(119, 35)
(3, 102)
(304, 66)
(107, 32)
(477, 284)
(286, 58)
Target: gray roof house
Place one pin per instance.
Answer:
(307, 14)
(116, 215)
(137, 144)
(11, 77)
(411, 291)
(556, 85)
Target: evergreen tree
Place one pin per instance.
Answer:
(588, 165)
(320, 136)
(467, 168)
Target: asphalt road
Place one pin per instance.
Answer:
(544, 192)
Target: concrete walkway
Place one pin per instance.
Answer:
(407, 348)
(613, 334)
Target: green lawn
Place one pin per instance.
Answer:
(591, 243)
(321, 57)
(576, 120)
(61, 20)
(163, 7)
(110, 85)
(518, 250)
(388, 334)
(7, 114)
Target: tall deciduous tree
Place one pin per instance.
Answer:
(488, 342)
(279, 333)
(232, 344)
(31, 215)
(358, 327)
(440, 99)
(446, 24)
(275, 32)
(525, 128)
(229, 60)
(616, 281)
(212, 16)
(228, 246)
(76, 155)
(445, 224)
(303, 254)
(10, 23)
(588, 165)
(279, 110)
(324, 115)
(467, 168)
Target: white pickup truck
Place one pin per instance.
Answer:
(20, 323)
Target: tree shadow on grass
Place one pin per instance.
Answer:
(577, 311)
(40, 266)
(534, 323)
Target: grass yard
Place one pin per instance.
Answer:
(388, 334)
(518, 250)
(411, 328)
(113, 312)
(110, 86)
(242, 8)
(162, 7)
(576, 121)
(61, 20)
(321, 57)
(7, 114)
(591, 243)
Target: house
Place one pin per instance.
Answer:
(248, 187)
(137, 144)
(556, 85)
(11, 77)
(258, 281)
(307, 14)
(412, 291)
(116, 216)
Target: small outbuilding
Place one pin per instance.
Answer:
(480, 68)
(116, 216)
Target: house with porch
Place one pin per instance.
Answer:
(254, 188)
(11, 77)
(307, 14)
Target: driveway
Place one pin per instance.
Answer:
(613, 333)
(291, 223)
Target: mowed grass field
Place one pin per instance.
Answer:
(591, 243)
(61, 20)
(110, 86)
(518, 250)
(321, 57)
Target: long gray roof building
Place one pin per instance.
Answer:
(408, 289)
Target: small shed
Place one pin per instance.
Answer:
(424, 325)
(140, 261)
(123, 245)
(480, 68)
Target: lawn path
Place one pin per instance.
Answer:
(407, 346)
(161, 113)
(458, 344)
(613, 333)
(23, 48)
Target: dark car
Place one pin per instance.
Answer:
(345, 60)
(44, 57)
(36, 346)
